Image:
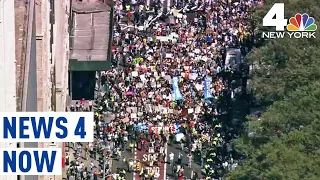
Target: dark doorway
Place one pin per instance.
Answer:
(83, 85)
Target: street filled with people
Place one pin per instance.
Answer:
(172, 85)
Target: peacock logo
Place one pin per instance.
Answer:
(301, 23)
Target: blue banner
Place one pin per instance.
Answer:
(176, 91)
(176, 128)
(206, 89)
(141, 127)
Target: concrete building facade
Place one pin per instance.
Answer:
(7, 65)
(28, 65)
(60, 54)
(44, 90)
(52, 24)
(52, 54)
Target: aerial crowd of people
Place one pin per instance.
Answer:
(170, 70)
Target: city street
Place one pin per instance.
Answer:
(146, 155)
(83, 158)
(150, 160)
(176, 148)
(119, 163)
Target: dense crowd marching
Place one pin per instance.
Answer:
(170, 71)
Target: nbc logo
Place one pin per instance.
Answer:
(301, 23)
(300, 26)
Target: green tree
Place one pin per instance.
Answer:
(284, 144)
(282, 65)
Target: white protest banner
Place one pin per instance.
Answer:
(133, 115)
(134, 73)
(169, 55)
(193, 76)
(143, 78)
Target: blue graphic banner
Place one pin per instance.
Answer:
(206, 88)
(176, 91)
(141, 127)
(176, 128)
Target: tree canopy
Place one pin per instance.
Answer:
(285, 142)
(288, 63)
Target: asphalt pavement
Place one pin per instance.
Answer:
(31, 96)
(145, 155)
(164, 169)
(139, 155)
(119, 163)
(176, 148)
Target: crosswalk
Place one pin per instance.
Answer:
(151, 160)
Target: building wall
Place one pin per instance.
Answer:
(61, 52)
(43, 55)
(21, 26)
(7, 65)
(48, 63)
(60, 57)
(52, 59)
(44, 64)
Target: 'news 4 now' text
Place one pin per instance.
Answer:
(30, 161)
(40, 127)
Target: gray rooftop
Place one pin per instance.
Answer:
(90, 33)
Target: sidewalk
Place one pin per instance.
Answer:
(84, 156)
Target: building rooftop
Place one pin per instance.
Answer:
(90, 31)
(90, 6)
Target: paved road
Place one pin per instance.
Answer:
(32, 89)
(85, 158)
(145, 155)
(32, 82)
(139, 155)
(176, 148)
(164, 168)
(119, 163)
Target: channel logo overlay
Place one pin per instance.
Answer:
(301, 23)
(300, 26)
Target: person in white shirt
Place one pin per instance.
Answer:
(90, 105)
(171, 158)
(91, 166)
(180, 156)
(156, 176)
(190, 160)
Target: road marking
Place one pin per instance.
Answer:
(135, 162)
(111, 164)
(75, 20)
(165, 162)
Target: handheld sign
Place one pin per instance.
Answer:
(46, 127)
(30, 161)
